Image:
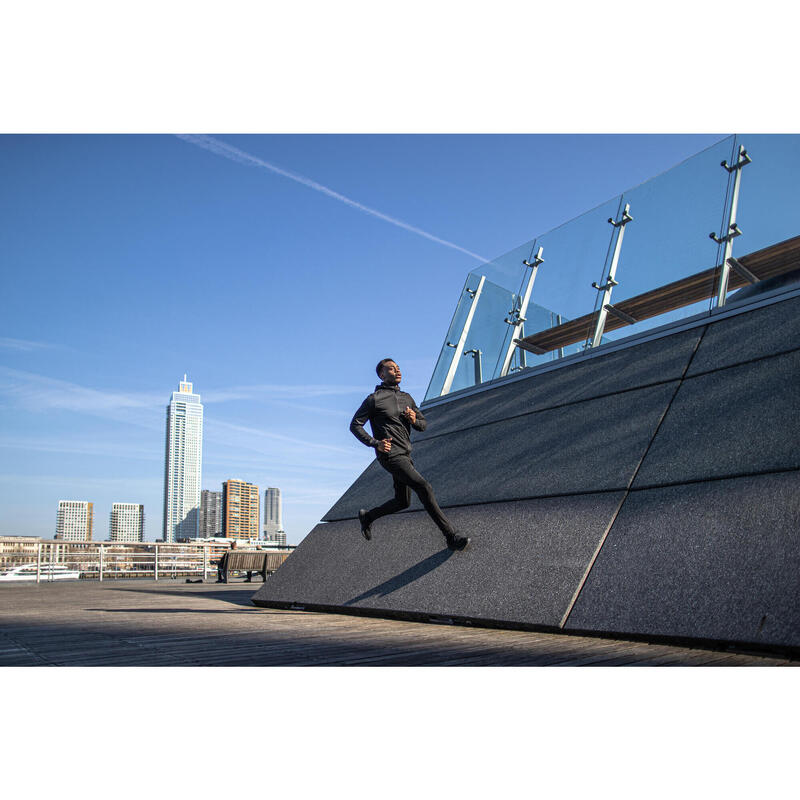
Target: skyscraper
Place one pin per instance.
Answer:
(75, 521)
(273, 523)
(127, 522)
(239, 510)
(183, 464)
(210, 513)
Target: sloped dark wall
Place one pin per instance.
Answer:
(650, 491)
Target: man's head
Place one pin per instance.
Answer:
(234, 544)
(388, 371)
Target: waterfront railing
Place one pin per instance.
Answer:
(49, 561)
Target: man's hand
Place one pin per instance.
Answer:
(410, 415)
(384, 445)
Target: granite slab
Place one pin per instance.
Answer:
(716, 560)
(755, 334)
(523, 566)
(585, 447)
(642, 365)
(734, 421)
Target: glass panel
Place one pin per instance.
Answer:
(453, 335)
(513, 261)
(668, 241)
(507, 271)
(574, 256)
(769, 205)
(486, 335)
(667, 267)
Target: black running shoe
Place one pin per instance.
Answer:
(457, 542)
(365, 526)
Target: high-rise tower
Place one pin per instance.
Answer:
(273, 524)
(210, 513)
(239, 509)
(183, 464)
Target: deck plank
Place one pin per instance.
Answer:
(143, 623)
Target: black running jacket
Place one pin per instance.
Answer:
(384, 410)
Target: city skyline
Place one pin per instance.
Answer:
(175, 223)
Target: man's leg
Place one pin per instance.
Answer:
(401, 500)
(406, 478)
(406, 473)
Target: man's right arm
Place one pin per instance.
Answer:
(357, 423)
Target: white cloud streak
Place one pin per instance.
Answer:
(23, 345)
(234, 154)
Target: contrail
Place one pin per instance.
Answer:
(234, 154)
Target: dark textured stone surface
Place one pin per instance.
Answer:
(644, 364)
(524, 564)
(717, 560)
(740, 420)
(585, 447)
(712, 557)
(755, 334)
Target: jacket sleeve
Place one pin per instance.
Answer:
(421, 423)
(357, 423)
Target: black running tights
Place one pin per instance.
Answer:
(406, 478)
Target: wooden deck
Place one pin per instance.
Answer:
(144, 623)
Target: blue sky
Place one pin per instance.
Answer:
(274, 269)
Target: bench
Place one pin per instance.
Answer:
(247, 561)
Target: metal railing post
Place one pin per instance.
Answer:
(100, 560)
(155, 564)
(459, 346)
(476, 355)
(39, 563)
(733, 229)
(205, 560)
(619, 230)
(516, 316)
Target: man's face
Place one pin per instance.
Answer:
(390, 374)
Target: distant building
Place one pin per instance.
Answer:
(210, 514)
(273, 523)
(183, 464)
(75, 521)
(127, 523)
(16, 550)
(280, 538)
(239, 510)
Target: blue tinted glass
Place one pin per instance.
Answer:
(445, 359)
(485, 338)
(668, 238)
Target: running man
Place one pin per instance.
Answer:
(392, 413)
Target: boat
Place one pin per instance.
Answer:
(47, 572)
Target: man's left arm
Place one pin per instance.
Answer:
(416, 418)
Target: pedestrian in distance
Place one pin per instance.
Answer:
(391, 414)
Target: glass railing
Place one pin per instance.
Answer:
(664, 251)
